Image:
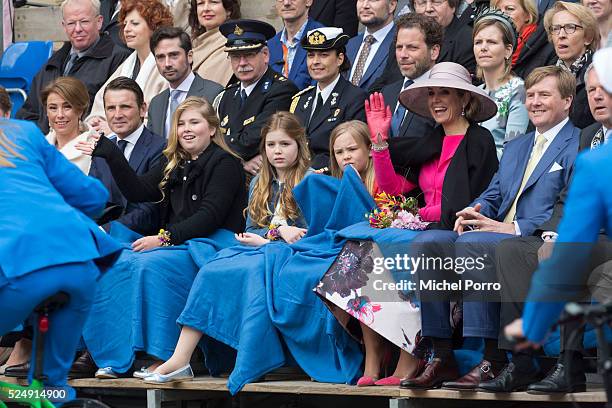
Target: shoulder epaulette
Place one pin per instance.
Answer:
(303, 91)
(233, 85)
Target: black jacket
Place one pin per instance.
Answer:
(141, 217)
(457, 45)
(200, 196)
(537, 52)
(413, 125)
(242, 127)
(110, 23)
(336, 13)
(94, 68)
(586, 138)
(345, 103)
(469, 172)
(580, 113)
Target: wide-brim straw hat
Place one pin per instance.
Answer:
(447, 75)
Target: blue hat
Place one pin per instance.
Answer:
(246, 34)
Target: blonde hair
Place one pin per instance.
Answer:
(173, 151)
(584, 16)
(507, 38)
(528, 5)
(7, 150)
(258, 208)
(360, 133)
(566, 82)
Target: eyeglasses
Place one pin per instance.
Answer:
(569, 28)
(71, 25)
(435, 3)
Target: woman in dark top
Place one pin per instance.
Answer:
(573, 31)
(200, 186)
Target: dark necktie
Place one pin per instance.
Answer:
(400, 112)
(122, 145)
(361, 60)
(243, 98)
(70, 63)
(317, 108)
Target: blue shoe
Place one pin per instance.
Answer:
(106, 373)
(182, 374)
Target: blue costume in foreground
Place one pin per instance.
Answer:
(587, 211)
(267, 309)
(48, 243)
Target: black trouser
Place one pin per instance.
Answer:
(517, 260)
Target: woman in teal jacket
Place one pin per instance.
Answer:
(48, 243)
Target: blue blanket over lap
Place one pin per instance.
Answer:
(260, 301)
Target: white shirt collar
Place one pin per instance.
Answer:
(133, 137)
(550, 134)
(249, 89)
(380, 34)
(186, 84)
(328, 89)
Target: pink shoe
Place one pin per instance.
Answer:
(366, 381)
(389, 381)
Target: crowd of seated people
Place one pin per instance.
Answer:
(240, 161)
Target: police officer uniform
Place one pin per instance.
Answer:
(344, 103)
(242, 116)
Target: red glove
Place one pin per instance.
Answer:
(379, 118)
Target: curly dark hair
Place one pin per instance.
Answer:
(153, 12)
(231, 6)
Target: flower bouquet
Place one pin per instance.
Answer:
(396, 212)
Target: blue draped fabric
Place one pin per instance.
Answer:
(139, 299)
(260, 301)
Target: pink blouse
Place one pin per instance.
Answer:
(431, 178)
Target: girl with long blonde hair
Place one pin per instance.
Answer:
(200, 187)
(272, 212)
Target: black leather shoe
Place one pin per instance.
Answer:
(509, 380)
(556, 381)
(18, 371)
(83, 367)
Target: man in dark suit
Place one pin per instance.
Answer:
(457, 45)
(245, 106)
(87, 56)
(511, 206)
(287, 57)
(417, 47)
(109, 10)
(125, 110)
(336, 13)
(333, 100)
(171, 47)
(518, 258)
(369, 51)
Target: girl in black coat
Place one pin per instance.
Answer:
(201, 188)
(199, 182)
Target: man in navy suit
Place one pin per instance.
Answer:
(125, 109)
(533, 170)
(368, 52)
(417, 46)
(517, 260)
(287, 57)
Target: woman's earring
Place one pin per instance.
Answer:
(463, 111)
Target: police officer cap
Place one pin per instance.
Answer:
(246, 34)
(324, 38)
